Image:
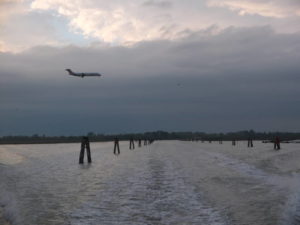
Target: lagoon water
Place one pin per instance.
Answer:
(166, 183)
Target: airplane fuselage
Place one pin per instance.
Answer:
(82, 75)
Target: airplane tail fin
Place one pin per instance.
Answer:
(70, 71)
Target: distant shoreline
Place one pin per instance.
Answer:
(155, 135)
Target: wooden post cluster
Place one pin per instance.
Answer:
(117, 147)
(250, 143)
(277, 143)
(131, 143)
(85, 144)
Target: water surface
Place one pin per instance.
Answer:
(168, 182)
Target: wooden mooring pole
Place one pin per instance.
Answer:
(250, 143)
(131, 143)
(85, 144)
(277, 143)
(116, 147)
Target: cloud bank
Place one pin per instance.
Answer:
(241, 78)
(113, 21)
(267, 8)
(28, 23)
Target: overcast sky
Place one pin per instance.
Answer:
(194, 65)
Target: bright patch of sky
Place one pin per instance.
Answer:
(62, 28)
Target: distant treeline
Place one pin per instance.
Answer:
(156, 135)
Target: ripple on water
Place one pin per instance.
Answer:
(153, 194)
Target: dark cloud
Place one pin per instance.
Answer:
(238, 79)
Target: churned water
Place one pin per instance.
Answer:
(168, 182)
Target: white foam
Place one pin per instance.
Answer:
(9, 207)
(8, 157)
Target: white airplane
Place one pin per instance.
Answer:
(82, 75)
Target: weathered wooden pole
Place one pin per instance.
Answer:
(116, 147)
(85, 144)
(277, 143)
(131, 144)
(250, 143)
(88, 151)
(233, 142)
(140, 142)
(145, 142)
(81, 155)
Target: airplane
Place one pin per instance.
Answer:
(82, 75)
